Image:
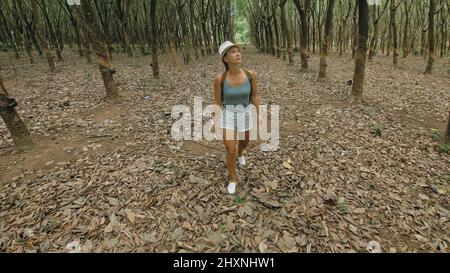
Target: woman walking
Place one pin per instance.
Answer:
(235, 91)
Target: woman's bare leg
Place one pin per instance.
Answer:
(243, 144)
(230, 146)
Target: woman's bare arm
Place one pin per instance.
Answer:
(255, 99)
(217, 97)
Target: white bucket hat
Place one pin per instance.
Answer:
(224, 48)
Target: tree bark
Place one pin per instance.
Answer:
(431, 14)
(286, 31)
(394, 32)
(17, 128)
(355, 31)
(361, 53)
(126, 28)
(82, 31)
(51, 31)
(41, 37)
(275, 27)
(405, 45)
(443, 33)
(27, 35)
(185, 33)
(24, 35)
(11, 37)
(303, 11)
(326, 40)
(100, 50)
(154, 35)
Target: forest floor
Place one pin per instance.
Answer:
(109, 178)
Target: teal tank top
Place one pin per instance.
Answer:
(237, 95)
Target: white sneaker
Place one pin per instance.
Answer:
(232, 187)
(242, 161)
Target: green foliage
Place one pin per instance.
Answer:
(239, 200)
(6, 46)
(443, 148)
(377, 129)
(241, 26)
(437, 135)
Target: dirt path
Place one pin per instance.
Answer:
(111, 178)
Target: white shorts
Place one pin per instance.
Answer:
(240, 121)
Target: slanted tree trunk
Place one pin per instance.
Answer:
(11, 37)
(326, 40)
(41, 37)
(303, 12)
(82, 31)
(103, 14)
(26, 28)
(77, 29)
(51, 31)
(431, 37)
(100, 50)
(361, 53)
(17, 128)
(24, 35)
(154, 35)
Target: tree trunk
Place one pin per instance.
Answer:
(192, 29)
(443, 36)
(303, 11)
(431, 37)
(11, 37)
(185, 33)
(41, 37)
(326, 40)
(361, 53)
(383, 41)
(394, 32)
(24, 34)
(154, 35)
(100, 50)
(51, 32)
(27, 36)
(286, 31)
(355, 31)
(374, 39)
(275, 26)
(102, 14)
(126, 29)
(82, 31)
(17, 128)
(405, 44)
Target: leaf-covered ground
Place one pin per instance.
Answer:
(109, 178)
